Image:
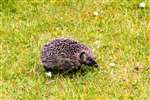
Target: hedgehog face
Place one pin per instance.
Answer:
(87, 59)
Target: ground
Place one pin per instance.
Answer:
(117, 30)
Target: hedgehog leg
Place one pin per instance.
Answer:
(67, 71)
(73, 67)
(71, 70)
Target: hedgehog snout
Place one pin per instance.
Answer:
(92, 62)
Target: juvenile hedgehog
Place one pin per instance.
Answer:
(66, 55)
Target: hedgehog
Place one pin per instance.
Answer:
(66, 55)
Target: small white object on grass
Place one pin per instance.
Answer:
(61, 18)
(95, 13)
(49, 74)
(112, 64)
(97, 43)
(142, 5)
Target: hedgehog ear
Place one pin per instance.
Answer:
(82, 56)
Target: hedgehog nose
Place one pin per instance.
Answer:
(94, 63)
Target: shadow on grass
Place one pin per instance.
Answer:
(84, 70)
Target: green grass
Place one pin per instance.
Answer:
(120, 34)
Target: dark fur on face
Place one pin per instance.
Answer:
(65, 55)
(87, 59)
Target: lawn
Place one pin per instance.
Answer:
(117, 30)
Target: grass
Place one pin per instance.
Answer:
(119, 36)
